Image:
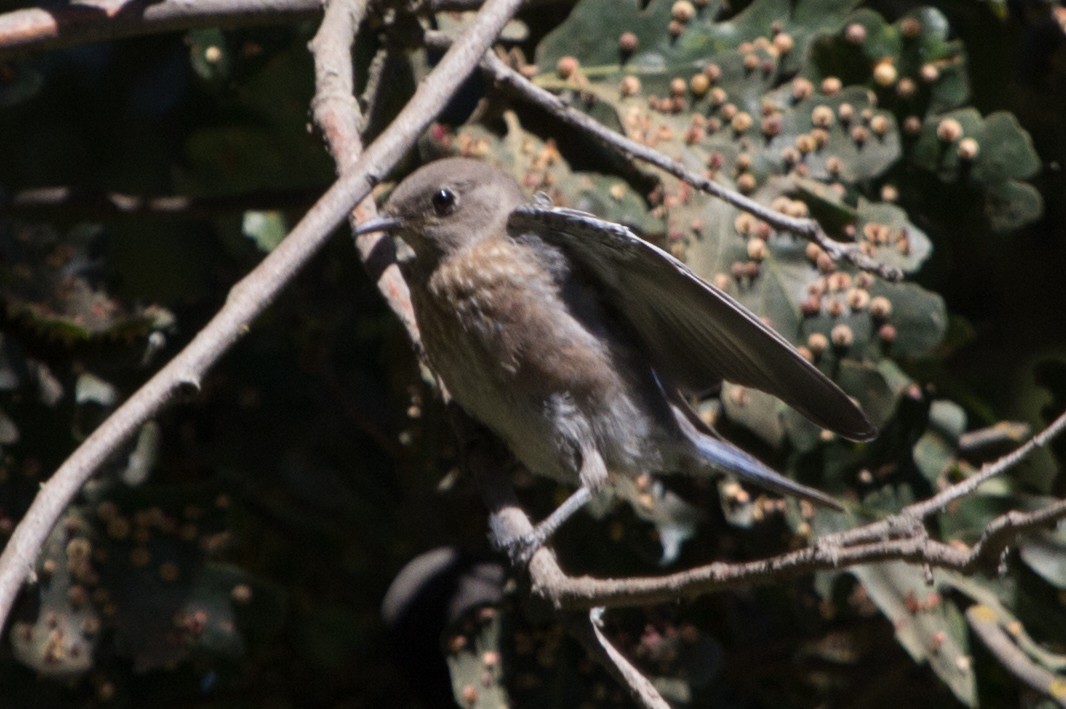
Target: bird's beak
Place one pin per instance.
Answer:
(381, 222)
(390, 225)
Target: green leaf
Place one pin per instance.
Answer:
(935, 451)
(929, 629)
(1045, 553)
(476, 663)
(266, 229)
(1004, 156)
(583, 33)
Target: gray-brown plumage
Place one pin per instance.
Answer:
(572, 339)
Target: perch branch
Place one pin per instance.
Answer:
(247, 299)
(484, 457)
(900, 537)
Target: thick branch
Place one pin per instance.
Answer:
(68, 24)
(60, 24)
(248, 298)
(43, 202)
(337, 115)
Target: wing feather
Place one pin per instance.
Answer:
(696, 333)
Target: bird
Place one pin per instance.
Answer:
(578, 343)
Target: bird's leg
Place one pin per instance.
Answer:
(593, 474)
(521, 549)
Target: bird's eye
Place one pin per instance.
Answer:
(444, 202)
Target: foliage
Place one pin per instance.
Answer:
(242, 544)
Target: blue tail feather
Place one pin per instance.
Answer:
(724, 457)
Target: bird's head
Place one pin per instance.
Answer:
(447, 205)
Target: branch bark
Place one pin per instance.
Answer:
(60, 24)
(49, 202)
(67, 24)
(583, 627)
(985, 624)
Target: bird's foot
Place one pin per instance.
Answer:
(521, 549)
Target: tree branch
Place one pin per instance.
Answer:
(55, 25)
(809, 229)
(906, 519)
(336, 114)
(900, 537)
(985, 624)
(44, 202)
(247, 299)
(582, 626)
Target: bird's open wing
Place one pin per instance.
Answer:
(696, 333)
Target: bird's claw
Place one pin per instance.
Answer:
(521, 549)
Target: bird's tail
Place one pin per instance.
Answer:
(724, 457)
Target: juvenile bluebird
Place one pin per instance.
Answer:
(575, 341)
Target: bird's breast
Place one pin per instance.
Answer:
(496, 307)
(514, 352)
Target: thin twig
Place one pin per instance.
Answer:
(809, 229)
(913, 514)
(571, 593)
(583, 627)
(374, 74)
(985, 624)
(1002, 531)
(247, 299)
(962, 489)
(997, 437)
